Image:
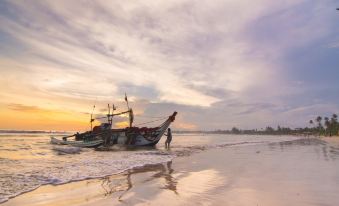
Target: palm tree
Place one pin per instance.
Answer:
(312, 128)
(318, 119)
(328, 126)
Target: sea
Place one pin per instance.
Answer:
(28, 160)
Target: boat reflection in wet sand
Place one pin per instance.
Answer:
(104, 136)
(122, 184)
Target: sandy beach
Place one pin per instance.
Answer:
(334, 140)
(296, 172)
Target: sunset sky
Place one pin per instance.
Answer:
(220, 64)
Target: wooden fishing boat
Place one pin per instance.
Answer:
(135, 136)
(104, 135)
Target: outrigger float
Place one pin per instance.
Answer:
(104, 136)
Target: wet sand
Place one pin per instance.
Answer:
(334, 140)
(298, 172)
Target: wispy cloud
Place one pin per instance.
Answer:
(197, 57)
(24, 108)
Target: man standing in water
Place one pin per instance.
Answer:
(169, 138)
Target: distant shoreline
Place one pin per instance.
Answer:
(222, 132)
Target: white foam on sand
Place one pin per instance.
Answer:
(95, 165)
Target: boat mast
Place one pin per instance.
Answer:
(92, 120)
(108, 115)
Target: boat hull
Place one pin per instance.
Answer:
(120, 140)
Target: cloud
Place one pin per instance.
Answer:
(107, 47)
(24, 108)
(220, 63)
(333, 44)
(36, 110)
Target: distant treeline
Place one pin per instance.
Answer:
(320, 126)
(267, 131)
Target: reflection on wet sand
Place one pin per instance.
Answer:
(328, 152)
(171, 183)
(124, 183)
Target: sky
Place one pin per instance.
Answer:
(219, 63)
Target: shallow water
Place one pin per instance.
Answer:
(28, 161)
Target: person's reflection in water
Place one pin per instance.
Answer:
(171, 184)
(129, 185)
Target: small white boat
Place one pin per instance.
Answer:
(93, 143)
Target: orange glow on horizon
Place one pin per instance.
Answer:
(123, 124)
(34, 118)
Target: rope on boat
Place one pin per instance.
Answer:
(151, 121)
(143, 116)
(139, 116)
